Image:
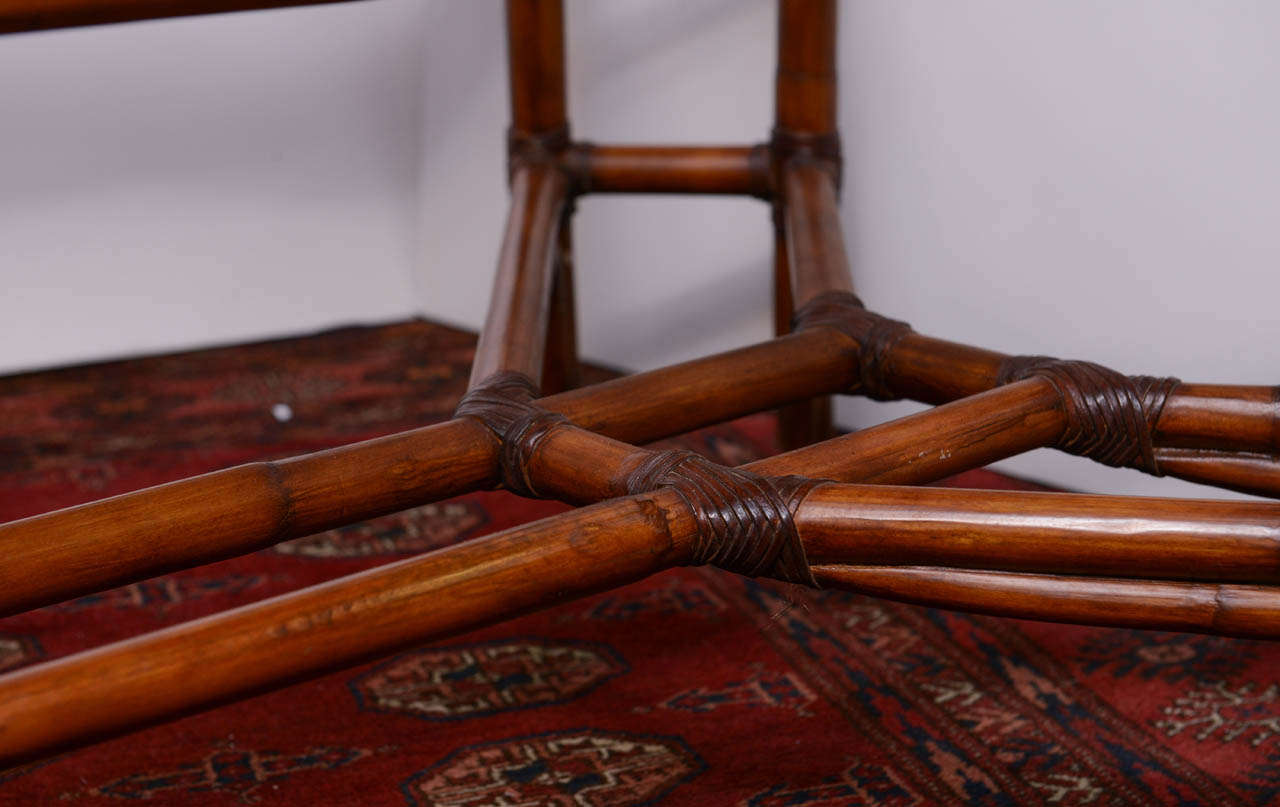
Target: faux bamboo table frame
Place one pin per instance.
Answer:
(810, 516)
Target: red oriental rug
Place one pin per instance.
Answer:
(694, 687)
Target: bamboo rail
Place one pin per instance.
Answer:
(515, 330)
(130, 684)
(734, 170)
(102, 692)
(1248, 612)
(95, 546)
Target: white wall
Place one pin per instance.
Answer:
(1094, 179)
(184, 182)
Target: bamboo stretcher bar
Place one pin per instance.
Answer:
(804, 129)
(99, 545)
(805, 85)
(1215, 416)
(939, 442)
(535, 64)
(237, 653)
(804, 422)
(515, 330)
(560, 367)
(1064, 533)
(1235, 430)
(1218, 419)
(1014, 531)
(1248, 612)
(17, 16)
(1247, 473)
(815, 239)
(740, 170)
(129, 684)
(579, 466)
(539, 133)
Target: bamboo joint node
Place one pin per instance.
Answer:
(746, 522)
(536, 148)
(821, 148)
(1111, 417)
(503, 402)
(875, 334)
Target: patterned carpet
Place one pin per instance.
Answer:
(693, 687)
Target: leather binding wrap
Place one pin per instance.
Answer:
(503, 402)
(1111, 417)
(875, 334)
(745, 521)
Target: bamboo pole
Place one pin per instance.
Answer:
(123, 686)
(36, 15)
(561, 369)
(1251, 612)
(1058, 533)
(689, 395)
(515, 330)
(1228, 418)
(535, 51)
(845, 529)
(79, 550)
(805, 422)
(740, 170)
(579, 466)
(927, 446)
(91, 547)
(1246, 473)
(805, 88)
(814, 236)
